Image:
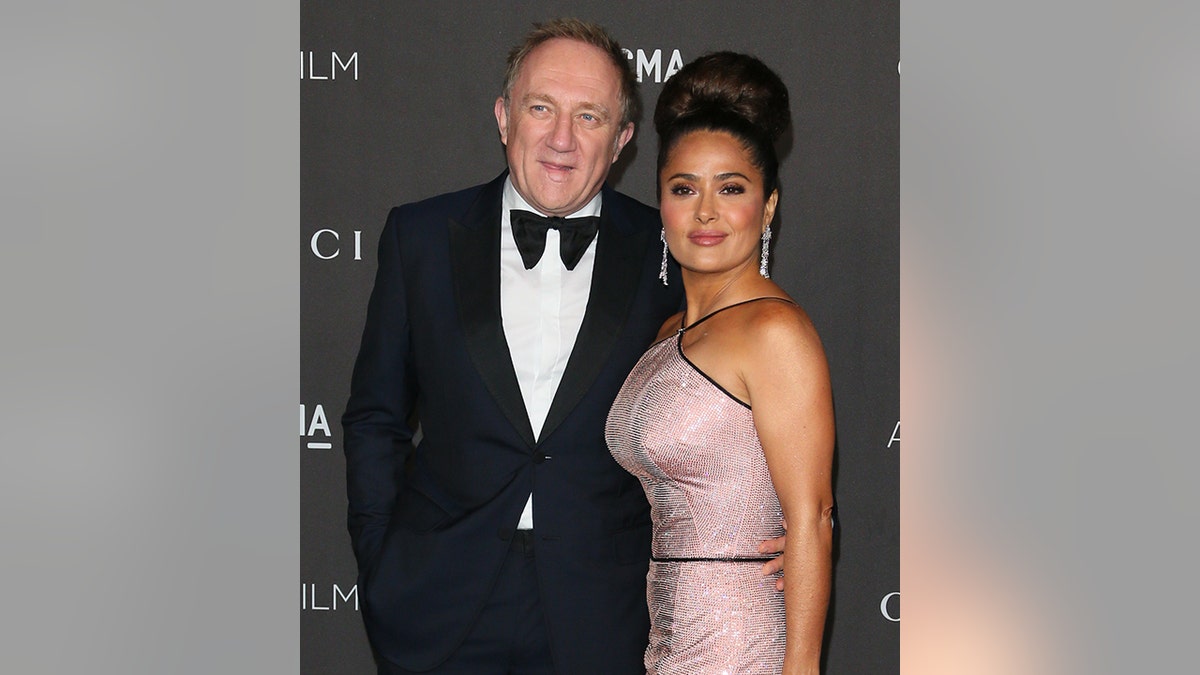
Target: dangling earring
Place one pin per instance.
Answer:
(762, 262)
(662, 271)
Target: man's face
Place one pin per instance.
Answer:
(562, 129)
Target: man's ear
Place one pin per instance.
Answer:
(622, 138)
(502, 119)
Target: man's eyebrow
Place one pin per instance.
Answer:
(598, 109)
(537, 98)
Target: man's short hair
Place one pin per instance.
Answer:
(587, 33)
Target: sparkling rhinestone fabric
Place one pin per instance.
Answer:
(696, 452)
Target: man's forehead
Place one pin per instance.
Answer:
(572, 59)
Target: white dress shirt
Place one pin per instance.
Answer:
(541, 309)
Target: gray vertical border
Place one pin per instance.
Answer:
(1048, 200)
(148, 480)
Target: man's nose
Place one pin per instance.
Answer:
(562, 136)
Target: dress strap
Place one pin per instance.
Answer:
(683, 329)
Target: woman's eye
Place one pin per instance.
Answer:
(733, 189)
(681, 190)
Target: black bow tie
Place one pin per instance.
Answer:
(574, 236)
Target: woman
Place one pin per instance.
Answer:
(727, 420)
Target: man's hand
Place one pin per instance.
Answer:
(776, 565)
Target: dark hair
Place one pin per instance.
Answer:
(587, 33)
(729, 92)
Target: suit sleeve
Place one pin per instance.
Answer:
(377, 433)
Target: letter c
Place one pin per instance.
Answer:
(883, 609)
(313, 244)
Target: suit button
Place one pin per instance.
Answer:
(538, 458)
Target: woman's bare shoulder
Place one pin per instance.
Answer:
(669, 326)
(778, 329)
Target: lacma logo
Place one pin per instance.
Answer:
(315, 62)
(651, 65)
(311, 426)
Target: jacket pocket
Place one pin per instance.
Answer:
(418, 512)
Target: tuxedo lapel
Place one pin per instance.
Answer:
(475, 264)
(620, 254)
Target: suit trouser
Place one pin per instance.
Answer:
(510, 637)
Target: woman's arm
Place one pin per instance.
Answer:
(787, 377)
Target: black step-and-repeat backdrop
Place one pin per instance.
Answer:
(396, 105)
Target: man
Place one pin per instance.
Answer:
(508, 540)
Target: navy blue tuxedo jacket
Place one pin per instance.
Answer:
(431, 517)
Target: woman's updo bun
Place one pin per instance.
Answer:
(729, 92)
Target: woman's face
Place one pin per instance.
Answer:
(712, 203)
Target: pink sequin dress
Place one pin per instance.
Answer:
(696, 452)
